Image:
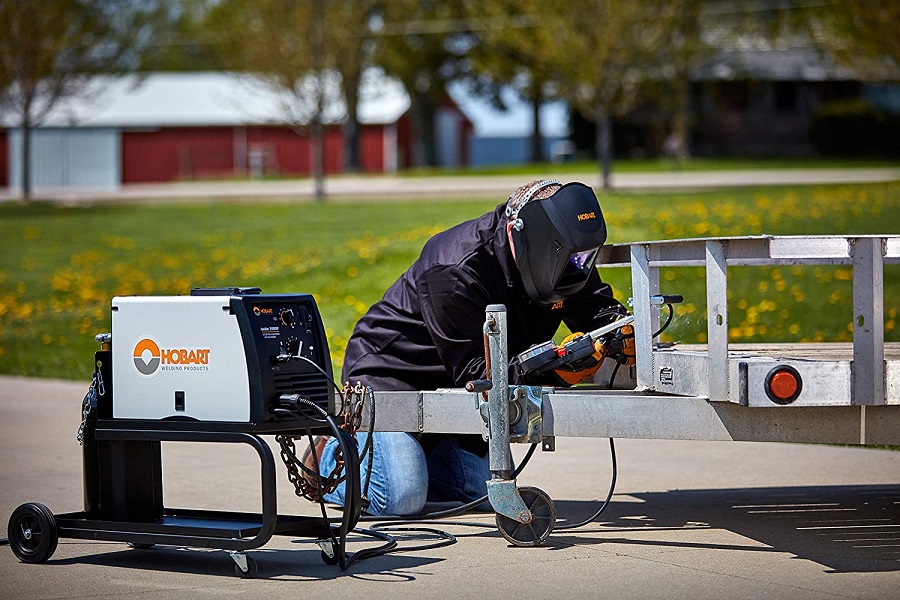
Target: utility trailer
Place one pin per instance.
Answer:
(837, 393)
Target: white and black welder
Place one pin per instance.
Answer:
(218, 356)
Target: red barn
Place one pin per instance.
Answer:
(185, 126)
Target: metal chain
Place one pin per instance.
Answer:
(89, 404)
(307, 483)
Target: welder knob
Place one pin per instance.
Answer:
(287, 317)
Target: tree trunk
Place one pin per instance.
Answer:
(350, 129)
(537, 148)
(318, 153)
(681, 120)
(603, 144)
(422, 114)
(351, 145)
(26, 158)
(318, 159)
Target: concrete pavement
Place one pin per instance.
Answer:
(689, 520)
(411, 187)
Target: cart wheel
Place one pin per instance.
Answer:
(543, 515)
(330, 560)
(250, 573)
(139, 545)
(32, 532)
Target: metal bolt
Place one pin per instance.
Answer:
(525, 516)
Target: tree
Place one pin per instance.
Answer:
(507, 54)
(423, 43)
(599, 52)
(50, 49)
(185, 42)
(313, 52)
(350, 48)
(861, 34)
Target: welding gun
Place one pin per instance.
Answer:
(575, 354)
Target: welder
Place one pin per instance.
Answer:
(534, 253)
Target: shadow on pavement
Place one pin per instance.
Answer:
(843, 528)
(279, 565)
(846, 529)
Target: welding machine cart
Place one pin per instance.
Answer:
(160, 363)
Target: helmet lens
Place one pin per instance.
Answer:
(581, 260)
(578, 268)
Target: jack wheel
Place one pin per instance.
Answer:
(250, 573)
(330, 560)
(543, 518)
(32, 532)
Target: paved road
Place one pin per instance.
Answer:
(689, 520)
(356, 187)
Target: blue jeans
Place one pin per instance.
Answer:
(404, 477)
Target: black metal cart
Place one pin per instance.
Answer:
(123, 498)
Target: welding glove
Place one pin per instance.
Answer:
(628, 344)
(586, 367)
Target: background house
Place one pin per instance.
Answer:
(184, 126)
(503, 136)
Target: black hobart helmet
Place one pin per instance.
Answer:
(556, 241)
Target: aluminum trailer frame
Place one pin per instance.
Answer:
(713, 392)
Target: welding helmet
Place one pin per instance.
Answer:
(556, 240)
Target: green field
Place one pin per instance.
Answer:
(60, 266)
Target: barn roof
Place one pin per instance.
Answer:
(215, 98)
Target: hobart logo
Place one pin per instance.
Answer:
(586, 216)
(149, 358)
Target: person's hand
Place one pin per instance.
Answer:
(586, 367)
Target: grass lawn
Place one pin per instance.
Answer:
(60, 266)
(663, 165)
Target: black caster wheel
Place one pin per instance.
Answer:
(250, 573)
(543, 518)
(139, 545)
(32, 532)
(330, 560)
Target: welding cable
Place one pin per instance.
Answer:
(450, 512)
(328, 377)
(367, 447)
(4, 541)
(603, 507)
(397, 523)
(351, 506)
(668, 320)
(340, 546)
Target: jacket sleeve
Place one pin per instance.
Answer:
(592, 307)
(452, 304)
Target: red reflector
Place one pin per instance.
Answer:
(783, 385)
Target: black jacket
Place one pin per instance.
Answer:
(426, 332)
